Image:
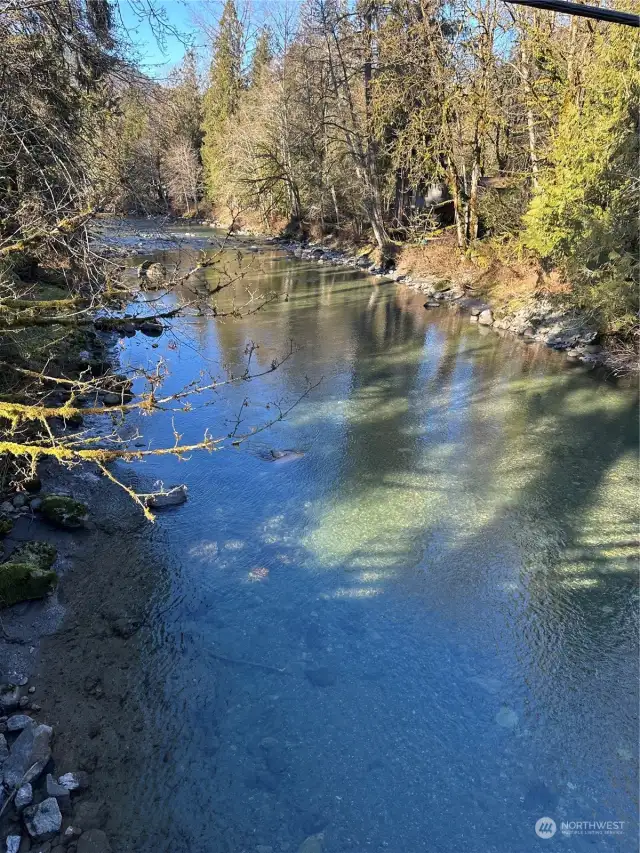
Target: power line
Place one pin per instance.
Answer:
(567, 8)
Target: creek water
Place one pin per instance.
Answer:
(416, 633)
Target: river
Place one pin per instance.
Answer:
(416, 634)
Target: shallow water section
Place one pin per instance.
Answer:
(416, 633)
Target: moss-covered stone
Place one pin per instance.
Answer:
(6, 526)
(41, 554)
(64, 511)
(24, 582)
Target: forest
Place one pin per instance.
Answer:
(498, 133)
(508, 133)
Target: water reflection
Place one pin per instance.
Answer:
(419, 635)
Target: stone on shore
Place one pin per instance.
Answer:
(4, 749)
(64, 511)
(13, 843)
(29, 755)
(60, 793)
(9, 698)
(24, 796)
(41, 554)
(24, 582)
(44, 820)
(78, 781)
(485, 318)
(94, 841)
(18, 722)
(6, 526)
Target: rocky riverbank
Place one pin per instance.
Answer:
(540, 320)
(58, 749)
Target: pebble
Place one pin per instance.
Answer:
(24, 796)
(74, 781)
(32, 689)
(24, 701)
(62, 794)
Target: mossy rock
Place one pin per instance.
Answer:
(40, 554)
(6, 526)
(64, 512)
(24, 582)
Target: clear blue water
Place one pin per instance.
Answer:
(418, 636)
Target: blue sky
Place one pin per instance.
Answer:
(157, 59)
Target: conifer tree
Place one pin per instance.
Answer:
(222, 97)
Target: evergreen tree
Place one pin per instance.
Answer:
(262, 56)
(222, 97)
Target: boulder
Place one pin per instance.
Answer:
(44, 820)
(24, 582)
(64, 511)
(29, 755)
(485, 318)
(94, 841)
(41, 554)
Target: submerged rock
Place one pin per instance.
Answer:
(312, 844)
(507, 718)
(44, 820)
(172, 497)
(152, 328)
(281, 455)
(24, 582)
(94, 841)
(321, 676)
(64, 511)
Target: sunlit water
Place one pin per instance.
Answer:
(420, 635)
